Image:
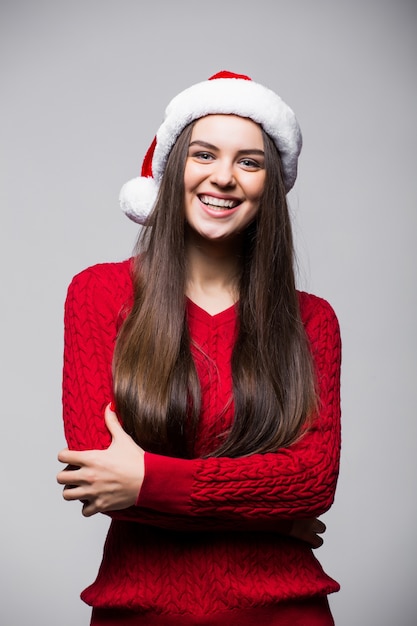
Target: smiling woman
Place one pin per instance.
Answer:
(221, 443)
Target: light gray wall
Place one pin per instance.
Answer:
(83, 87)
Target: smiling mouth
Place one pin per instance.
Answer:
(219, 203)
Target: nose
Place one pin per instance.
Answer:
(222, 174)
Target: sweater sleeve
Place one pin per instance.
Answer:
(295, 482)
(90, 320)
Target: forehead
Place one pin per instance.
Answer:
(230, 129)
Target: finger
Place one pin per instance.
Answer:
(89, 509)
(112, 422)
(318, 542)
(73, 492)
(62, 455)
(319, 526)
(72, 458)
(69, 476)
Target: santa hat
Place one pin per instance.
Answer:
(223, 93)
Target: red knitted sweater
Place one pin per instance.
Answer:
(208, 536)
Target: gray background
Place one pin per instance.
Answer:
(83, 88)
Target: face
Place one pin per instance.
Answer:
(224, 175)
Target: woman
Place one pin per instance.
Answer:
(225, 378)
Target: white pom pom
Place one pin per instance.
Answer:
(137, 198)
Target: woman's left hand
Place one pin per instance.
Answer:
(104, 480)
(309, 530)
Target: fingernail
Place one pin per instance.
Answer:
(112, 407)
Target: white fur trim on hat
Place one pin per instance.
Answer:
(231, 96)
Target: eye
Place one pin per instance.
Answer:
(202, 156)
(251, 164)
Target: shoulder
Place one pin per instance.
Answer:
(312, 306)
(318, 317)
(104, 274)
(106, 285)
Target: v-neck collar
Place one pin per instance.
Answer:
(202, 315)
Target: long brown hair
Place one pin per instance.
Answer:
(156, 385)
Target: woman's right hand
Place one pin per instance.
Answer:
(309, 530)
(104, 480)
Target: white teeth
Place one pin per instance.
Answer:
(219, 202)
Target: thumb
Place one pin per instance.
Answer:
(112, 422)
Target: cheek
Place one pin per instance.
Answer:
(192, 175)
(187, 175)
(186, 178)
(253, 184)
(256, 189)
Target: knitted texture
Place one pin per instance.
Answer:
(207, 535)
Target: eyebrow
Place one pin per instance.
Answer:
(210, 146)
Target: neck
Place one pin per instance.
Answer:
(212, 273)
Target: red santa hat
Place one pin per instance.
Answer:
(223, 93)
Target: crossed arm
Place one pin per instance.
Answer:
(109, 473)
(110, 480)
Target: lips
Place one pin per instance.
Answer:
(219, 203)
